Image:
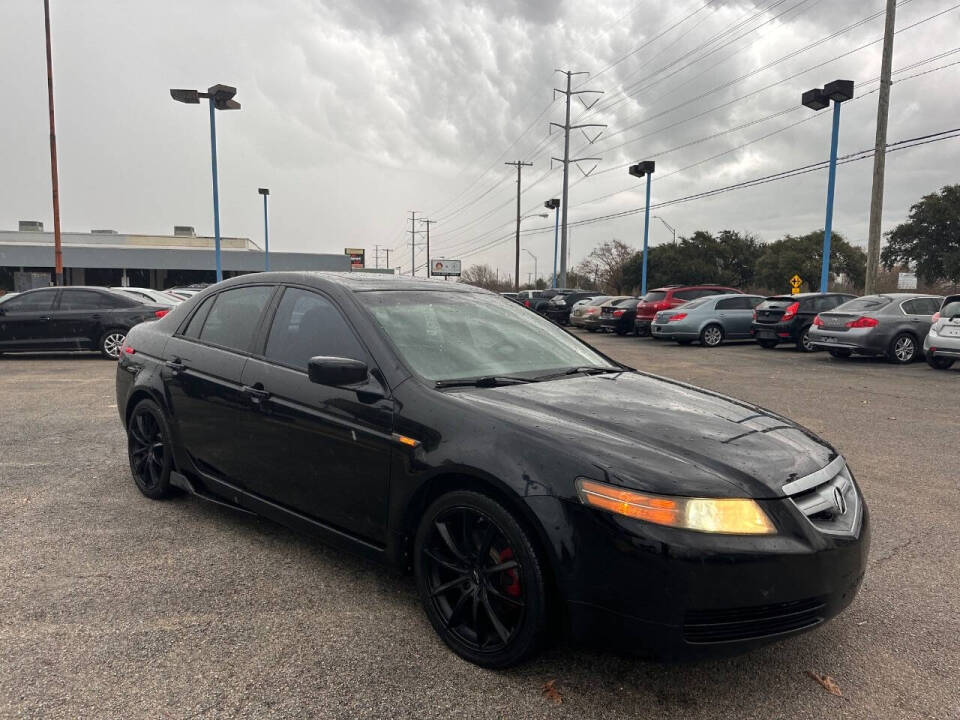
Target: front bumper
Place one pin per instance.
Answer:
(672, 593)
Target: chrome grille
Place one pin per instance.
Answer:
(828, 499)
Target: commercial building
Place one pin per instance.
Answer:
(109, 258)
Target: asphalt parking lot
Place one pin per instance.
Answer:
(112, 605)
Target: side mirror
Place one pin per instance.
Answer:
(336, 371)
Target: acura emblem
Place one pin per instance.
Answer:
(839, 501)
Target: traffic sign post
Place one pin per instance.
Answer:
(795, 282)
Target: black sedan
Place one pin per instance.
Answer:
(529, 482)
(620, 316)
(72, 318)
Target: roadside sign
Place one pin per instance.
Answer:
(795, 282)
(445, 268)
(907, 281)
(357, 257)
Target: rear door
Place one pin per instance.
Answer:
(203, 364)
(736, 314)
(322, 451)
(25, 320)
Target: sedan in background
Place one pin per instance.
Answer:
(592, 315)
(942, 346)
(893, 325)
(711, 320)
(619, 316)
(72, 318)
(588, 307)
(559, 306)
(669, 297)
(149, 295)
(788, 318)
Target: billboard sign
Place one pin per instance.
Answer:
(357, 257)
(445, 268)
(907, 281)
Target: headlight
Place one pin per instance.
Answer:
(731, 516)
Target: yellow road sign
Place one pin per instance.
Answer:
(796, 281)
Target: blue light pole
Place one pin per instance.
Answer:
(266, 230)
(221, 98)
(817, 99)
(554, 204)
(639, 170)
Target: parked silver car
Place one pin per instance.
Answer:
(711, 320)
(942, 346)
(893, 325)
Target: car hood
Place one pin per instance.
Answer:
(658, 435)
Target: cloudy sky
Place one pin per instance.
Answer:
(356, 112)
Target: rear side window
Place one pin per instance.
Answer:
(686, 294)
(31, 302)
(92, 300)
(306, 324)
(234, 317)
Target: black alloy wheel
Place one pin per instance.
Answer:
(903, 349)
(148, 447)
(711, 335)
(939, 363)
(840, 353)
(480, 580)
(803, 343)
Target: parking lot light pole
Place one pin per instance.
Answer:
(536, 271)
(639, 170)
(837, 91)
(554, 204)
(221, 98)
(266, 230)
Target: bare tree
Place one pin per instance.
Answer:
(605, 266)
(487, 278)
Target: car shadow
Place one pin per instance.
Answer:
(60, 355)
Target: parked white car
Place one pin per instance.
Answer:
(942, 346)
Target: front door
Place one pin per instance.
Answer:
(322, 451)
(25, 320)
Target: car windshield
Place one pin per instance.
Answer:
(775, 303)
(460, 335)
(864, 304)
(654, 296)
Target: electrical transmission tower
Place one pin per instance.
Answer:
(376, 256)
(566, 160)
(519, 164)
(413, 242)
(428, 223)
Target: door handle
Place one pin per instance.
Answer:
(45, 317)
(175, 366)
(256, 394)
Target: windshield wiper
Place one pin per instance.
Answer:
(580, 369)
(483, 381)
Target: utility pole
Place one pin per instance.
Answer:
(566, 160)
(54, 181)
(428, 223)
(519, 164)
(376, 256)
(879, 152)
(413, 242)
(387, 250)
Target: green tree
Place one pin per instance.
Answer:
(780, 260)
(727, 259)
(930, 239)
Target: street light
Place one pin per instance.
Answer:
(553, 204)
(221, 98)
(639, 170)
(266, 230)
(536, 272)
(669, 227)
(817, 99)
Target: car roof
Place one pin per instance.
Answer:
(356, 282)
(801, 296)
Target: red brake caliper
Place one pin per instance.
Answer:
(513, 587)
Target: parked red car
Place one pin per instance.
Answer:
(671, 296)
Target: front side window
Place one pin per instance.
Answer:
(30, 302)
(306, 324)
(460, 335)
(234, 317)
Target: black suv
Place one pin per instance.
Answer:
(72, 318)
(787, 318)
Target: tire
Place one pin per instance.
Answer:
(620, 332)
(840, 353)
(711, 336)
(903, 349)
(939, 363)
(111, 342)
(767, 344)
(494, 619)
(803, 342)
(149, 450)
